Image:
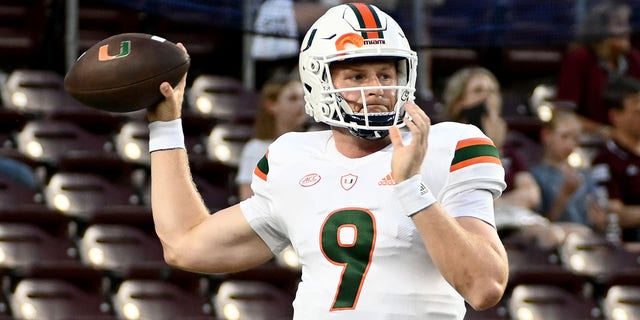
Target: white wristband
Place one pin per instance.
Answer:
(166, 135)
(413, 195)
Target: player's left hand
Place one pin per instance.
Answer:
(407, 159)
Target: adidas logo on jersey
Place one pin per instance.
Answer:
(386, 181)
(423, 189)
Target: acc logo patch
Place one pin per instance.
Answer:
(309, 180)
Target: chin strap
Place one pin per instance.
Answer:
(369, 134)
(375, 121)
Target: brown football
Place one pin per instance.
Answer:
(123, 72)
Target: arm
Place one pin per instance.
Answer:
(466, 250)
(192, 238)
(472, 258)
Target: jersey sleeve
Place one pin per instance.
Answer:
(259, 210)
(251, 154)
(475, 164)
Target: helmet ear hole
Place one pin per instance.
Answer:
(314, 66)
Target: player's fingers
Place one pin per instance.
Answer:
(417, 122)
(181, 46)
(418, 116)
(166, 90)
(396, 137)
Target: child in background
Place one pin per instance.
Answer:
(565, 189)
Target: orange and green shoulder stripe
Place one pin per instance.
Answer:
(262, 168)
(474, 151)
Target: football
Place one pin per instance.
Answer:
(123, 72)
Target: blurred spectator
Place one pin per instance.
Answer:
(472, 95)
(603, 53)
(565, 189)
(281, 110)
(617, 165)
(19, 172)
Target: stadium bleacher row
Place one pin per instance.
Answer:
(82, 245)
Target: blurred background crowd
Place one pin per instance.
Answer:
(554, 83)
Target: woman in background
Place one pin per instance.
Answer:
(472, 95)
(281, 110)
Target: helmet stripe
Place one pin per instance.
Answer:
(310, 40)
(368, 19)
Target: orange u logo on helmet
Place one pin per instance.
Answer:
(125, 49)
(349, 39)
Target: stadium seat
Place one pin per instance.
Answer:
(591, 255)
(61, 145)
(120, 249)
(97, 21)
(52, 298)
(132, 143)
(251, 300)
(497, 312)
(10, 122)
(37, 92)
(91, 197)
(622, 302)
(24, 245)
(22, 26)
(214, 197)
(221, 98)
(226, 140)
(529, 301)
(15, 196)
(159, 300)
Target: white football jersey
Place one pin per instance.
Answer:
(361, 256)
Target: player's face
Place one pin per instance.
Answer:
(367, 74)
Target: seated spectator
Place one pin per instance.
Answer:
(564, 189)
(617, 165)
(472, 95)
(603, 53)
(281, 110)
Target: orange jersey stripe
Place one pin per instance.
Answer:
(260, 174)
(473, 141)
(476, 160)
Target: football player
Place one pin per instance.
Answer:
(391, 217)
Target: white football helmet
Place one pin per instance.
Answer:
(355, 31)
